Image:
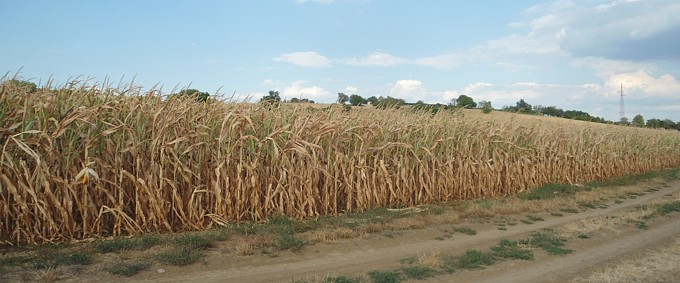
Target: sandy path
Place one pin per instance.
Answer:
(359, 256)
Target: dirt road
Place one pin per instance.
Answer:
(359, 256)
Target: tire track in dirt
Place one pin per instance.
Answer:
(363, 256)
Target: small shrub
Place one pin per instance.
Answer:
(507, 249)
(474, 259)
(548, 242)
(289, 242)
(195, 241)
(180, 256)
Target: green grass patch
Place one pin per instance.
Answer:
(52, 259)
(569, 210)
(289, 242)
(180, 256)
(669, 207)
(527, 221)
(507, 249)
(385, 276)
(474, 259)
(548, 242)
(625, 180)
(557, 214)
(128, 269)
(588, 205)
(465, 230)
(195, 241)
(549, 191)
(77, 258)
(418, 272)
(120, 243)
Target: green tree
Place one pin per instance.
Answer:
(465, 102)
(653, 123)
(523, 106)
(638, 121)
(273, 99)
(22, 85)
(356, 100)
(372, 100)
(389, 102)
(342, 98)
(553, 111)
(200, 96)
(486, 106)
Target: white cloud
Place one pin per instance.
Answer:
(299, 89)
(636, 77)
(630, 30)
(380, 59)
(270, 82)
(305, 59)
(410, 90)
(450, 60)
(351, 90)
(641, 84)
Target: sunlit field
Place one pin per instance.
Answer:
(81, 162)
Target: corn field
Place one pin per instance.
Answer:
(81, 161)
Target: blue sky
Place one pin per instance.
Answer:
(570, 54)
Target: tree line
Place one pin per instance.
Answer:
(381, 102)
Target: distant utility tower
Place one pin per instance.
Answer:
(622, 112)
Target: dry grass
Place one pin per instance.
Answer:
(331, 236)
(244, 249)
(431, 260)
(83, 161)
(654, 266)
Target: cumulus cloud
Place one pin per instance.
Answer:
(450, 60)
(380, 59)
(305, 59)
(410, 90)
(351, 90)
(299, 88)
(642, 84)
(636, 77)
(623, 30)
(626, 30)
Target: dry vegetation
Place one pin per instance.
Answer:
(81, 162)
